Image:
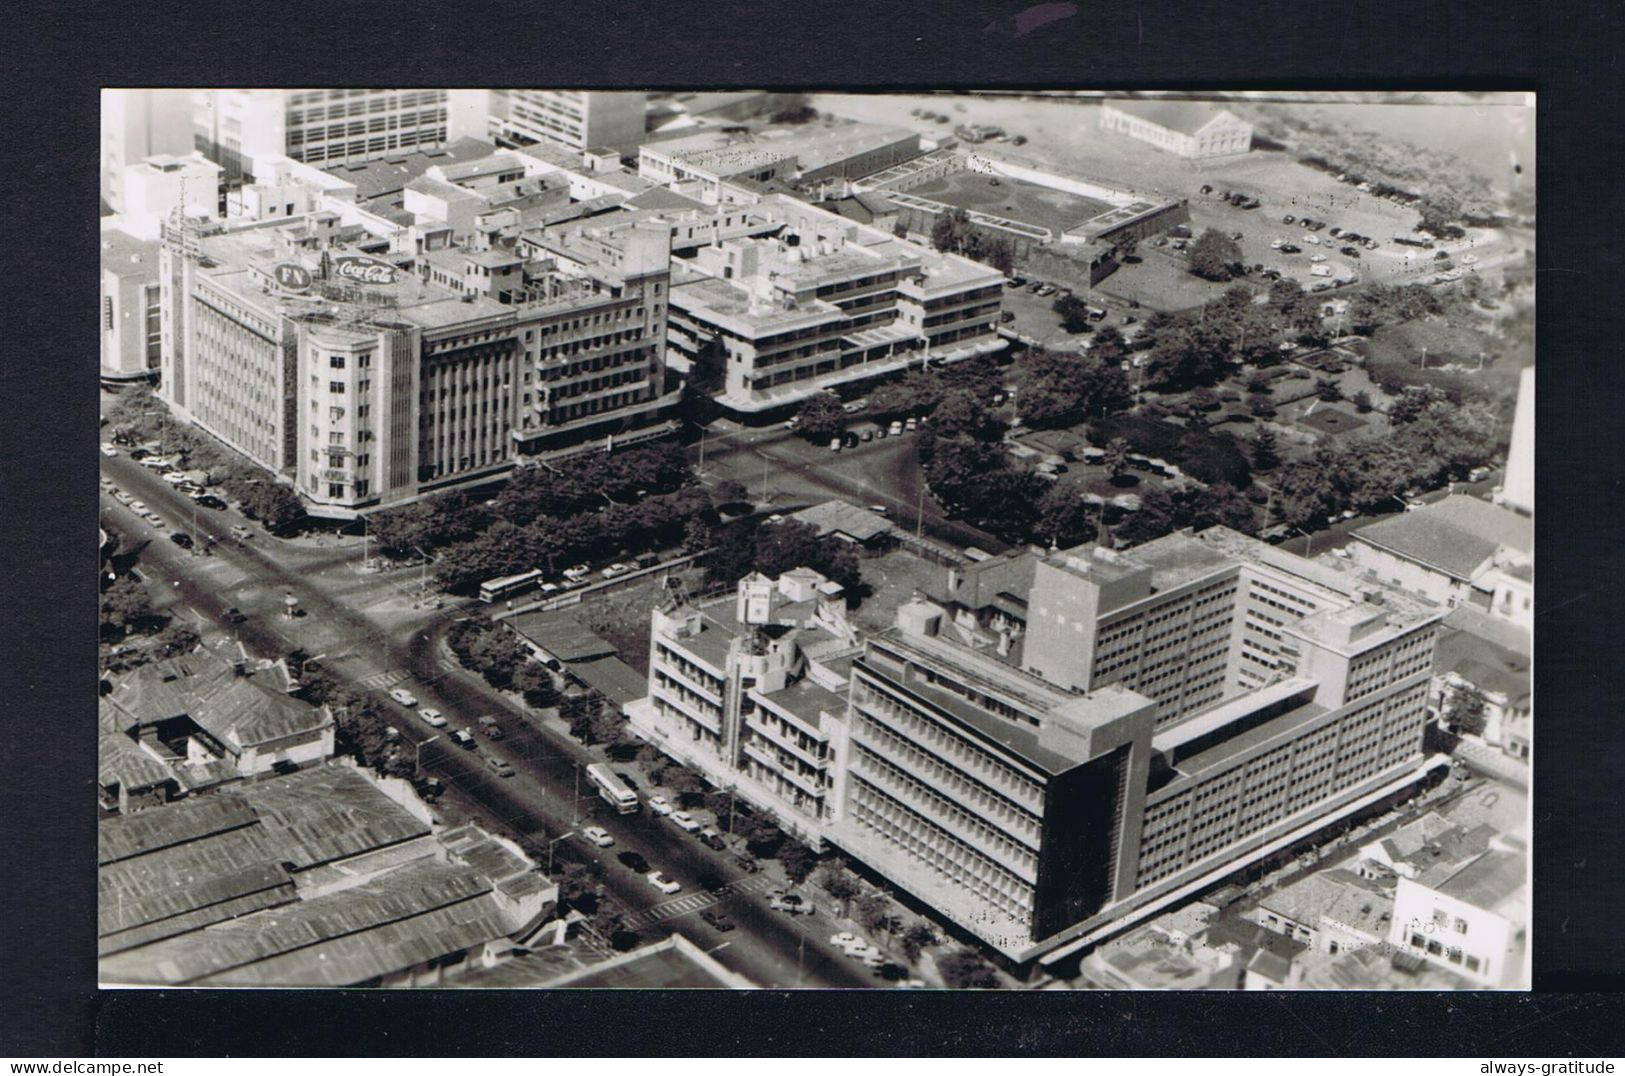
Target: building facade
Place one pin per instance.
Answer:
(1468, 919)
(575, 119)
(444, 369)
(131, 333)
(319, 127)
(769, 321)
(135, 125)
(1191, 129)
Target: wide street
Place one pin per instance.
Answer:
(366, 630)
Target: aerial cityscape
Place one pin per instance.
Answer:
(779, 540)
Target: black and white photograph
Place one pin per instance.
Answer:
(810, 540)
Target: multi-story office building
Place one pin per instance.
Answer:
(575, 119)
(430, 371)
(755, 696)
(1128, 728)
(319, 127)
(137, 124)
(772, 320)
(131, 340)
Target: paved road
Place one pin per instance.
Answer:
(545, 799)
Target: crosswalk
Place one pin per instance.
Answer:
(689, 903)
(382, 681)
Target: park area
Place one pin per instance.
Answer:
(1160, 280)
(1014, 199)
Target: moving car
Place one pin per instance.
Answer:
(489, 726)
(685, 821)
(209, 500)
(847, 940)
(634, 861)
(464, 739)
(662, 883)
(432, 718)
(598, 835)
(233, 616)
(747, 863)
(182, 539)
(404, 697)
(659, 805)
(792, 903)
(498, 766)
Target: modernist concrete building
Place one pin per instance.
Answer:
(131, 340)
(439, 369)
(319, 127)
(1134, 727)
(769, 321)
(1195, 129)
(1517, 490)
(137, 124)
(575, 119)
(753, 694)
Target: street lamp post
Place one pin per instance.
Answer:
(417, 754)
(550, 844)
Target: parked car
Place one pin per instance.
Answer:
(659, 805)
(835, 444)
(1014, 282)
(498, 766)
(662, 883)
(912, 423)
(1290, 248)
(432, 717)
(598, 835)
(747, 863)
(233, 616)
(403, 696)
(718, 919)
(577, 573)
(896, 428)
(685, 821)
(616, 569)
(852, 407)
(491, 727)
(634, 861)
(712, 838)
(209, 500)
(464, 739)
(182, 539)
(109, 451)
(847, 940)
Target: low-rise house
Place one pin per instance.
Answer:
(859, 526)
(1193, 129)
(1481, 653)
(1469, 918)
(1448, 551)
(1328, 911)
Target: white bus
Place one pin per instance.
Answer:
(612, 789)
(496, 589)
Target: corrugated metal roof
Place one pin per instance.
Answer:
(147, 832)
(327, 813)
(244, 713)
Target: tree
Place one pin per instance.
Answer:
(839, 883)
(966, 969)
(1126, 248)
(1063, 519)
(821, 417)
(1413, 402)
(1328, 390)
(949, 229)
(798, 861)
(874, 912)
(687, 784)
(125, 608)
(273, 504)
(729, 491)
(1215, 256)
(535, 682)
(607, 726)
(1109, 347)
(1464, 710)
(961, 412)
(1204, 399)
(1362, 402)
(1260, 406)
(1260, 384)
(1116, 458)
(180, 637)
(916, 939)
(497, 655)
(796, 115)
(1074, 313)
(1266, 454)
(996, 252)
(1440, 210)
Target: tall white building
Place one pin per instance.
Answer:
(137, 124)
(1517, 490)
(575, 119)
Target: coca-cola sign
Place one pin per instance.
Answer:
(363, 270)
(292, 277)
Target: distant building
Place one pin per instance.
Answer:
(137, 124)
(1478, 652)
(754, 697)
(157, 186)
(327, 877)
(574, 119)
(1328, 911)
(1517, 490)
(1447, 551)
(848, 522)
(131, 334)
(1194, 129)
(321, 127)
(807, 154)
(1469, 918)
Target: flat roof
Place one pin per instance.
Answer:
(1288, 723)
(719, 298)
(561, 633)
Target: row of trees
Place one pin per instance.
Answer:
(737, 549)
(363, 731)
(1204, 345)
(1432, 441)
(139, 415)
(1056, 388)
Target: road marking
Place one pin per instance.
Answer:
(693, 902)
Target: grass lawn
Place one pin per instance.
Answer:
(1160, 281)
(1002, 196)
(1332, 420)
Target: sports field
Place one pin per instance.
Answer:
(1014, 199)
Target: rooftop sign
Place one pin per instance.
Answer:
(363, 270)
(292, 277)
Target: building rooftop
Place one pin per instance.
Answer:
(806, 700)
(1186, 117)
(125, 255)
(1496, 881)
(375, 179)
(1002, 582)
(712, 298)
(841, 518)
(328, 813)
(1431, 542)
(1176, 559)
(613, 678)
(1485, 664)
(560, 633)
(663, 198)
(244, 713)
(1317, 894)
